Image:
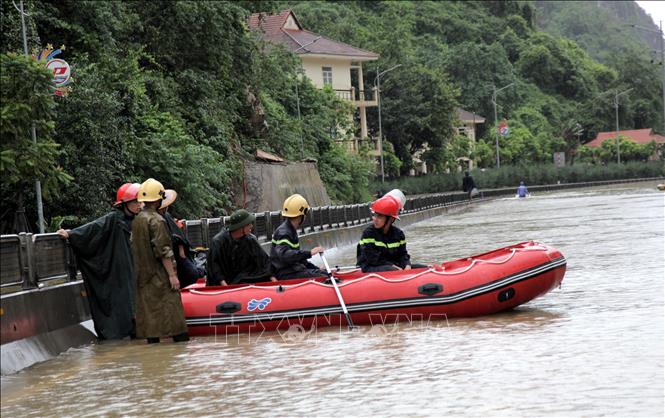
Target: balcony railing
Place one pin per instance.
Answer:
(365, 98)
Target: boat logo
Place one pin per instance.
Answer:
(253, 304)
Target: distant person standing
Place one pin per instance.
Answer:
(159, 310)
(522, 191)
(104, 256)
(469, 185)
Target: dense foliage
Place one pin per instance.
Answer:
(473, 46)
(179, 91)
(182, 91)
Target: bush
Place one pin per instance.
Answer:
(509, 176)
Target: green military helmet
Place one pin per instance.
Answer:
(239, 219)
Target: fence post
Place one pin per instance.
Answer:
(28, 267)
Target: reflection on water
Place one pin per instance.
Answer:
(594, 347)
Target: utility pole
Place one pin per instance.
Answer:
(33, 130)
(616, 110)
(377, 82)
(302, 143)
(496, 126)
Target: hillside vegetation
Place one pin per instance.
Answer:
(183, 92)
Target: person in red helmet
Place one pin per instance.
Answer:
(382, 246)
(104, 257)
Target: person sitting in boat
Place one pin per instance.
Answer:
(522, 191)
(188, 272)
(235, 254)
(288, 260)
(382, 246)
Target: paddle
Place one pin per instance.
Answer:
(339, 295)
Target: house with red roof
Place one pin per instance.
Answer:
(326, 62)
(639, 136)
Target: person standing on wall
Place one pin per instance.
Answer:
(159, 310)
(469, 185)
(104, 257)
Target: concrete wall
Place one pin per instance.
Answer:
(341, 71)
(268, 185)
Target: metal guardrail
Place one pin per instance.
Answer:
(33, 260)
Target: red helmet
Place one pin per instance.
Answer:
(126, 193)
(387, 205)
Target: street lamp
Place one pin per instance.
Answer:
(496, 132)
(33, 130)
(616, 110)
(302, 144)
(377, 83)
(662, 59)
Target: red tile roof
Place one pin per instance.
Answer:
(640, 136)
(272, 30)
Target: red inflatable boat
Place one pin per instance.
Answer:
(484, 284)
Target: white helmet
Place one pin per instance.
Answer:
(398, 196)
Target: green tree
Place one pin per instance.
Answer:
(27, 99)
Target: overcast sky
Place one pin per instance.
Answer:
(655, 8)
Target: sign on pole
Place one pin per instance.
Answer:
(61, 71)
(504, 131)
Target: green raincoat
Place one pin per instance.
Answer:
(159, 309)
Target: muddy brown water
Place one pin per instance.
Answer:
(592, 348)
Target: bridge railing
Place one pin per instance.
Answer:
(34, 260)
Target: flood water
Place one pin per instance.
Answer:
(592, 348)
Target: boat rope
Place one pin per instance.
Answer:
(473, 262)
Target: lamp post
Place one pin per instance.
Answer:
(377, 83)
(33, 130)
(616, 110)
(302, 144)
(496, 132)
(662, 59)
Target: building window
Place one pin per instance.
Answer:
(327, 76)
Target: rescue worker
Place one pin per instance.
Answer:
(236, 255)
(382, 246)
(288, 260)
(188, 272)
(159, 310)
(104, 256)
(522, 191)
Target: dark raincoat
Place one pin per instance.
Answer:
(237, 261)
(104, 256)
(188, 272)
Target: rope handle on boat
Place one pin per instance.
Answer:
(474, 261)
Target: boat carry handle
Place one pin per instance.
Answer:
(505, 295)
(228, 307)
(430, 289)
